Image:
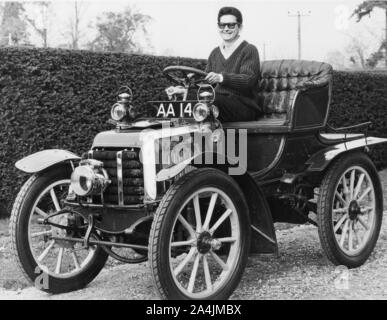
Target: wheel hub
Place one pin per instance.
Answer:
(353, 210)
(205, 243)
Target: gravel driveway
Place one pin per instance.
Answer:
(301, 271)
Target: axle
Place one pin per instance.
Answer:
(100, 242)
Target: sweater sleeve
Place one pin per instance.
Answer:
(209, 64)
(249, 71)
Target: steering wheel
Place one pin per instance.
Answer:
(185, 76)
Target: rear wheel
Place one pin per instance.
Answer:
(350, 210)
(52, 265)
(200, 236)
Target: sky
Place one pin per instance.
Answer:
(188, 28)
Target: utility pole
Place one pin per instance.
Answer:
(385, 40)
(264, 44)
(75, 34)
(299, 15)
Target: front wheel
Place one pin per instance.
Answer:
(53, 266)
(200, 236)
(350, 210)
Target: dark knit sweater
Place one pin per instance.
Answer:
(240, 72)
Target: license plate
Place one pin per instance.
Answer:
(174, 109)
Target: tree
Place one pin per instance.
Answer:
(75, 34)
(336, 59)
(356, 50)
(74, 25)
(365, 8)
(13, 29)
(116, 31)
(41, 27)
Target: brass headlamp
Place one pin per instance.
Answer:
(122, 107)
(89, 178)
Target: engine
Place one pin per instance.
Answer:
(112, 177)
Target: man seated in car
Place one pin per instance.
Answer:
(235, 68)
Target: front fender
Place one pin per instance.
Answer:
(41, 160)
(199, 160)
(263, 238)
(321, 159)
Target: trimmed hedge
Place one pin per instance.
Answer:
(61, 99)
(359, 97)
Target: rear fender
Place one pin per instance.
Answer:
(321, 159)
(42, 160)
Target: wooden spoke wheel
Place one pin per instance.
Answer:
(350, 210)
(68, 266)
(200, 236)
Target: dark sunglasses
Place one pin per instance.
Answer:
(229, 25)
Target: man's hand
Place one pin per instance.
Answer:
(213, 78)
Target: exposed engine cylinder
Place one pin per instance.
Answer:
(125, 174)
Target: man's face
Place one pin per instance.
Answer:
(228, 27)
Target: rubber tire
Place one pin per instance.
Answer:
(19, 235)
(163, 222)
(324, 212)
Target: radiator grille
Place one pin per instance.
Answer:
(131, 190)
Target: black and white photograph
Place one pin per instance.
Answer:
(193, 150)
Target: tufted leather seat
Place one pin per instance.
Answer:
(294, 95)
(280, 80)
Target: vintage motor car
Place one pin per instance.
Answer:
(195, 197)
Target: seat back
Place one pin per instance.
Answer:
(281, 79)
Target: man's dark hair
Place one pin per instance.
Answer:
(230, 10)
